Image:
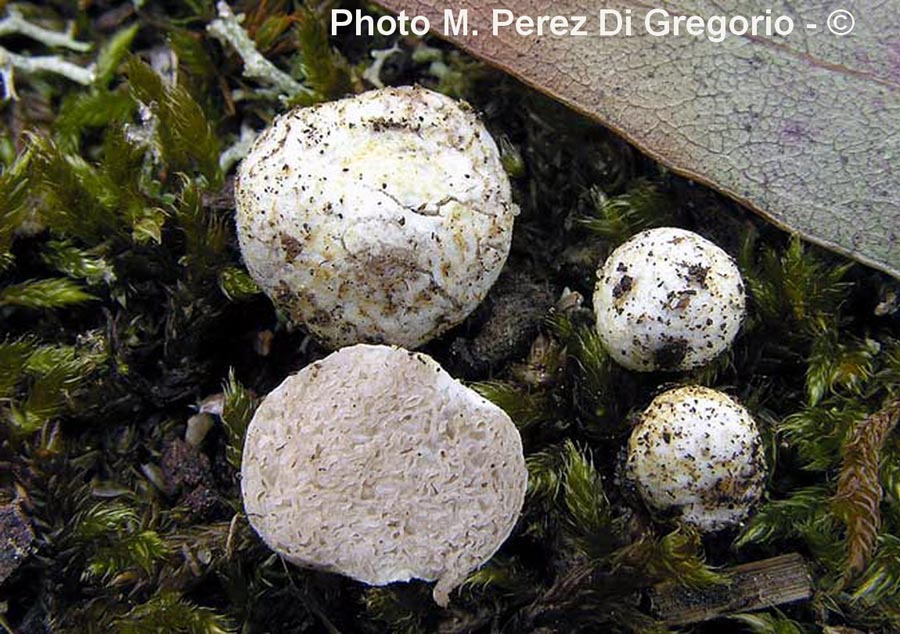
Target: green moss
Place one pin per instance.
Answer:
(168, 612)
(237, 410)
(617, 218)
(181, 135)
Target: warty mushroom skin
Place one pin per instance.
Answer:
(696, 455)
(668, 299)
(377, 464)
(381, 218)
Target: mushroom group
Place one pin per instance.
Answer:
(386, 218)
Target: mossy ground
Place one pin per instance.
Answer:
(125, 308)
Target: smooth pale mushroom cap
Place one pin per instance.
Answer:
(383, 218)
(697, 455)
(668, 299)
(377, 464)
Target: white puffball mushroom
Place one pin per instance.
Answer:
(381, 218)
(697, 455)
(377, 464)
(668, 299)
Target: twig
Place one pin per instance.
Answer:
(754, 586)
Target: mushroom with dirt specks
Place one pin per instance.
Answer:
(696, 455)
(381, 218)
(377, 464)
(668, 299)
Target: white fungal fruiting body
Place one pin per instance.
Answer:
(697, 455)
(383, 218)
(668, 299)
(377, 464)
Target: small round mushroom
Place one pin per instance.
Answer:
(381, 218)
(377, 464)
(697, 455)
(668, 299)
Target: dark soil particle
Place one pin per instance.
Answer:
(697, 273)
(671, 353)
(16, 538)
(204, 504)
(504, 327)
(292, 246)
(622, 286)
(185, 468)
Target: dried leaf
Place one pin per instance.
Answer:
(765, 120)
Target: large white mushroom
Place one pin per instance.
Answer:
(382, 218)
(696, 455)
(668, 299)
(377, 464)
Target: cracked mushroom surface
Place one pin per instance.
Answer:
(381, 218)
(668, 299)
(697, 455)
(377, 464)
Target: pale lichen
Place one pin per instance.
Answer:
(15, 24)
(228, 30)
